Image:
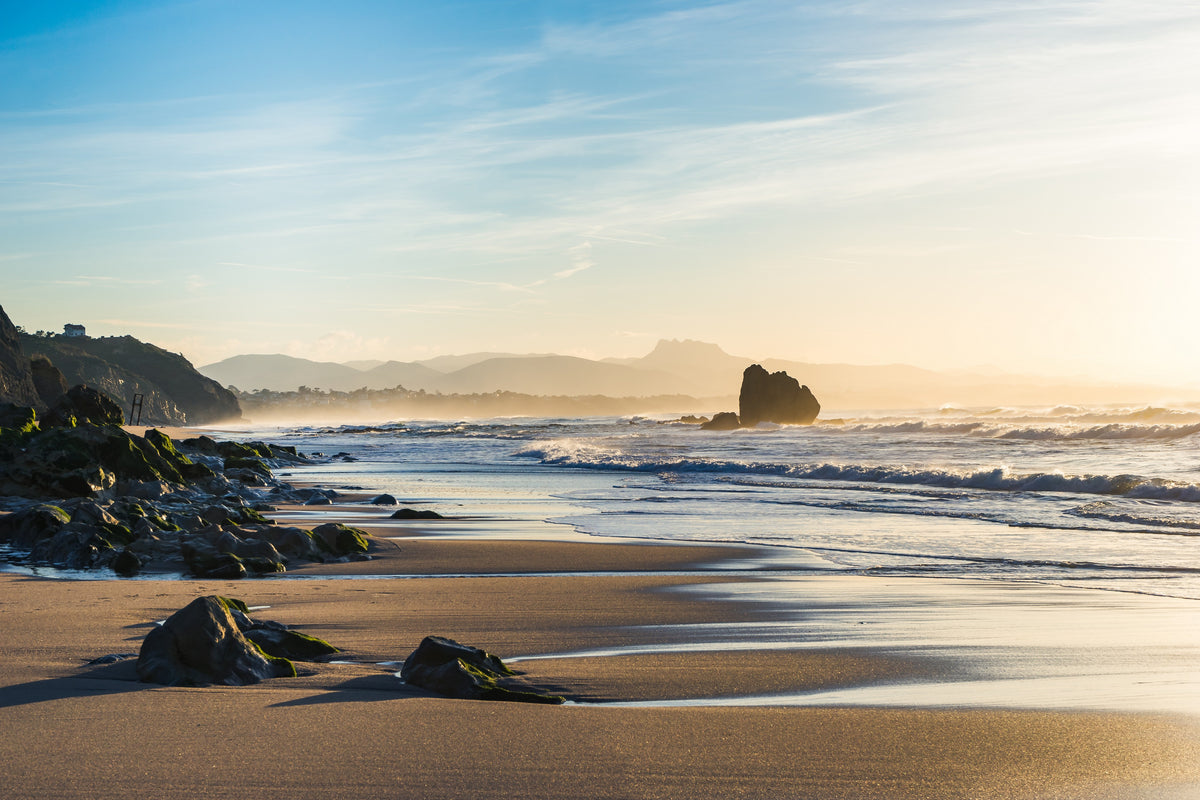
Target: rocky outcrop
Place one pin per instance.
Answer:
(775, 397)
(111, 499)
(174, 393)
(455, 670)
(202, 644)
(16, 377)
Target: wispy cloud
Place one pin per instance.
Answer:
(107, 280)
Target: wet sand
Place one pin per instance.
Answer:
(69, 730)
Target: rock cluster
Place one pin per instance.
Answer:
(86, 494)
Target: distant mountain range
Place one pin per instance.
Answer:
(698, 369)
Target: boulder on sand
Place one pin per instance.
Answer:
(201, 645)
(456, 670)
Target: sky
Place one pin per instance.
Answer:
(950, 185)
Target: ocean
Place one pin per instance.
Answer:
(1096, 498)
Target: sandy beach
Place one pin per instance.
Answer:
(352, 730)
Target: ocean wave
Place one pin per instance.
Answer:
(1111, 431)
(1109, 513)
(1028, 429)
(573, 453)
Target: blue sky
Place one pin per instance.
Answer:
(944, 184)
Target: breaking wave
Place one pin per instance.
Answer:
(573, 453)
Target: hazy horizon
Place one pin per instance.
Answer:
(946, 186)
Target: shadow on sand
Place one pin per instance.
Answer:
(364, 689)
(108, 679)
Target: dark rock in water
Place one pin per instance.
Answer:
(775, 397)
(83, 404)
(724, 421)
(201, 645)
(383, 500)
(412, 513)
(292, 645)
(16, 377)
(48, 381)
(692, 419)
(318, 501)
(455, 670)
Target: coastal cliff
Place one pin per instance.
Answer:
(16, 375)
(174, 393)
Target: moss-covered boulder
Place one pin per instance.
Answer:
(201, 645)
(448, 668)
(341, 540)
(289, 644)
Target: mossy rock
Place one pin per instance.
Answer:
(262, 566)
(202, 444)
(166, 448)
(291, 645)
(204, 561)
(249, 516)
(252, 464)
(121, 453)
(341, 540)
(117, 533)
(17, 420)
(242, 450)
(456, 670)
(233, 604)
(194, 472)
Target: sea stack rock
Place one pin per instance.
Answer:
(774, 397)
